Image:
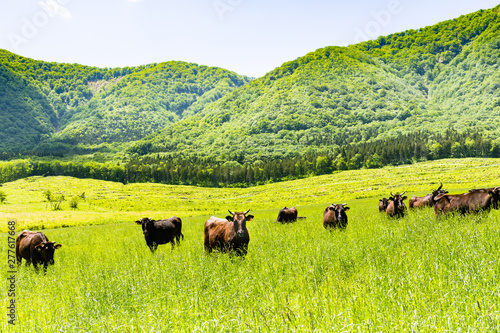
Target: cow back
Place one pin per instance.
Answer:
(287, 215)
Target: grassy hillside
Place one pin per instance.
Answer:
(108, 202)
(380, 274)
(89, 106)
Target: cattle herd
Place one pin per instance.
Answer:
(231, 234)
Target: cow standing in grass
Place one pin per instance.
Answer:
(287, 215)
(229, 234)
(161, 232)
(427, 200)
(382, 204)
(396, 206)
(468, 203)
(35, 248)
(334, 216)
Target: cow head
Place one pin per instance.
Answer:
(240, 222)
(495, 194)
(147, 225)
(384, 202)
(46, 250)
(398, 201)
(339, 211)
(439, 191)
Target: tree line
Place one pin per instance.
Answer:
(209, 172)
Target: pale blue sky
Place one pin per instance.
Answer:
(250, 37)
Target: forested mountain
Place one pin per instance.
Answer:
(87, 106)
(428, 93)
(428, 79)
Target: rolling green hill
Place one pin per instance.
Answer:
(421, 94)
(88, 106)
(428, 79)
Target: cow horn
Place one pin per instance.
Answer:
(344, 204)
(392, 194)
(403, 193)
(440, 186)
(245, 213)
(230, 212)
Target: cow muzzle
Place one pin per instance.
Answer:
(241, 234)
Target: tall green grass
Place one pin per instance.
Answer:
(379, 275)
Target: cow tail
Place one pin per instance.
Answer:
(182, 236)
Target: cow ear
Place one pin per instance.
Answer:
(249, 217)
(38, 248)
(404, 198)
(331, 209)
(138, 222)
(391, 199)
(229, 218)
(346, 208)
(57, 246)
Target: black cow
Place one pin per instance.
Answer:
(396, 206)
(229, 234)
(334, 216)
(287, 215)
(35, 248)
(161, 232)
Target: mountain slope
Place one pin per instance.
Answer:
(320, 94)
(95, 105)
(420, 80)
(25, 113)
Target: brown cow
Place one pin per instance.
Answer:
(496, 203)
(334, 216)
(396, 206)
(229, 234)
(471, 202)
(382, 204)
(35, 248)
(427, 200)
(161, 232)
(287, 215)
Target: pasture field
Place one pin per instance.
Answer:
(379, 275)
(110, 203)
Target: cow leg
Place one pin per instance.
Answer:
(152, 247)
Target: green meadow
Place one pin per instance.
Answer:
(417, 273)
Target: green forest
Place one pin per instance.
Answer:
(423, 94)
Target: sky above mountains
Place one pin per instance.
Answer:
(248, 37)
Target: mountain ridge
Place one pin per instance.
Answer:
(421, 80)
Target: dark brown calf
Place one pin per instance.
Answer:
(396, 206)
(229, 234)
(161, 232)
(287, 215)
(382, 204)
(334, 216)
(35, 248)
